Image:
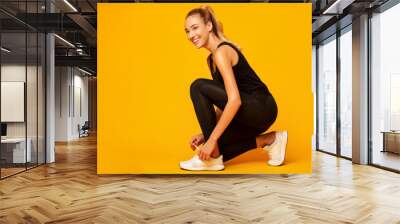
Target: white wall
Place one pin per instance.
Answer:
(33, 127)
(314, 91)
(62, 78)
(80, 84)
(12, 73)
(71, 87)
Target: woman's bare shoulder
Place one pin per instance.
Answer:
(225, 52)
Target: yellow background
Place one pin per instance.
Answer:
(146, 65)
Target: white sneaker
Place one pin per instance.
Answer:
(277, 150)
(196, 164)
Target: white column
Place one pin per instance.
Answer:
(50, 92)
(50, 100)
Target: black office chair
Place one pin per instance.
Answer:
(84, 130)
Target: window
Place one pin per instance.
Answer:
(385, 88)
(327, 95)
(346, 93)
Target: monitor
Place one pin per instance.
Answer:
(3, 129)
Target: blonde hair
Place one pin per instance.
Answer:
(208, 15)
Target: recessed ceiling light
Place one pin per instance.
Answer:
(71, 6)
(84, 71)
(338, 6)
(64, 40)
(5, 50)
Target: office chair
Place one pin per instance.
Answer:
(84, 130)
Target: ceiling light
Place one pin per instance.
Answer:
(84, 71)
(338, 6)
(64, 40)
(70, 5)
(5, 50)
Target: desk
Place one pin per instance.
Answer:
(16, 148)
(391, 141)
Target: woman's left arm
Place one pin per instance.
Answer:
(224, 65)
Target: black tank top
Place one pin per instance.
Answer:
(247, 80)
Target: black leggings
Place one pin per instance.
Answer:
(256, 114)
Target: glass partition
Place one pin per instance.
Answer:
(327, 95)
(14, 153)
(22, 77)
(32, 95)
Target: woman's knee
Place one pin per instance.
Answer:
(197, 85)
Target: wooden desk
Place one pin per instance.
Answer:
(391, 141)
(16, 147)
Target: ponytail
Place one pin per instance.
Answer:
(208, 15)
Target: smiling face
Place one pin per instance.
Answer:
(197, 31)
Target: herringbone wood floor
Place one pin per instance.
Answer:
(70, 191)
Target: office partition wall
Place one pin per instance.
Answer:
(22, 77)
(14, 148)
